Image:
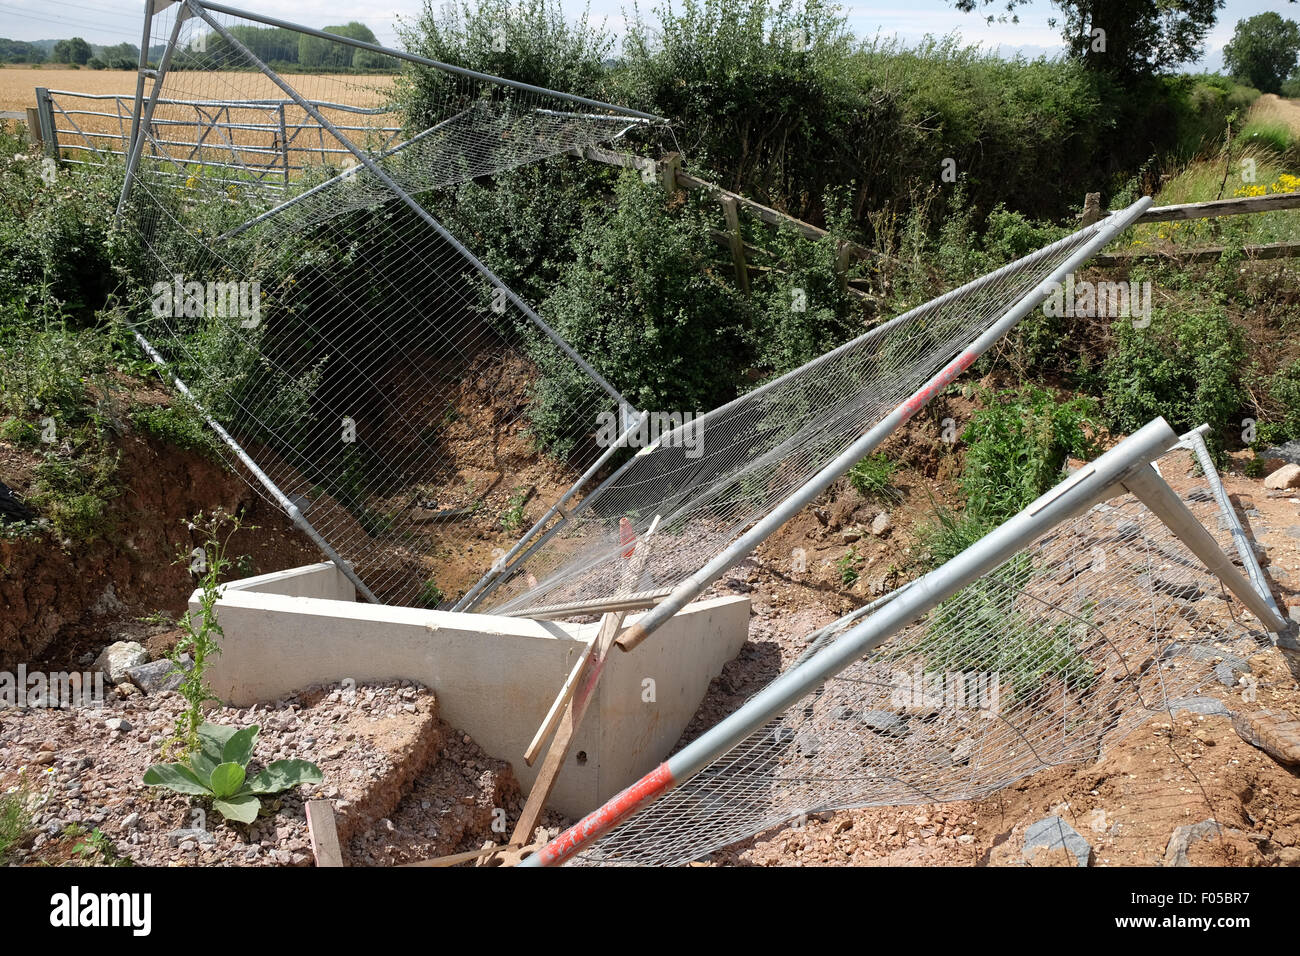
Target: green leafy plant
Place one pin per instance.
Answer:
(430, 594)
(199, 640)
(15, 821)
(951, 533)
(18, 806)
(1016, 447)
(847, 566)
(97, 848)
(1284, 392)
(1185, 366)
(74, 490)
(513, 517)
(179, 424)
(871, 476)
(218, 770)
(980, 629)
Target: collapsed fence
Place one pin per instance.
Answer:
(368, 370)
(351, 378)
(1105, 601)
(374, 376)
(751, 464)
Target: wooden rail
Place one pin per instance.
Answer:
(1268, 250)
(1221, 207)
(669, 173)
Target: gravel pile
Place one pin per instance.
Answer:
(371, 742)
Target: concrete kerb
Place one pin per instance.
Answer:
(495, 677)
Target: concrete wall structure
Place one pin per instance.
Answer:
(495, 677)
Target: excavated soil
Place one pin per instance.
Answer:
(60, 601)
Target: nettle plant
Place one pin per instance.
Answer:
(218, 770)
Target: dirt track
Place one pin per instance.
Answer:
(1272, 108)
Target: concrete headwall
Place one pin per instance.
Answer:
(495, 677)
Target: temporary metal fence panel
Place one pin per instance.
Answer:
(374, 377)
(717, 486)
(1039, 645)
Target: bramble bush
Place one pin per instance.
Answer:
(1185, 366)
(644, 300)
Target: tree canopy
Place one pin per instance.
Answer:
(1264, 51)
(1125, 37)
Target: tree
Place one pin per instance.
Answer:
(20, 51)
(321, 54)
(1264, 51)
(1127, 37)
(75, 50)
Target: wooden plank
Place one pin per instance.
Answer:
(324, 833)
(34, 125)
(1221, 207)
(1271, 250)
(684, 180)
(561, 701)
(769, 215)
(457, 858)
(722, 239)
(765, 213)
(631, 602)
(610, 627)
(611, 158)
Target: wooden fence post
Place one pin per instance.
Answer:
(668, 167)
(843, 258)
(34, 126)
(1091, 209)
(732, 214)
(45, 122)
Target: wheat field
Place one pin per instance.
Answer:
(18, 88)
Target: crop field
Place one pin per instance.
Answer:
(18, 92)
(199, 119)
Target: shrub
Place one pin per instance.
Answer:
(73, 490)
(523, 223)
(764, 91)
(531, 41)
(643, 300)
(52, 370)
(54, 235)
(1017, 445)
(1284, 390)
(802, 306)
(1184, 366)
(179, 424)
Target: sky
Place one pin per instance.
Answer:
(115, 21)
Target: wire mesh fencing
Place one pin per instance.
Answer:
(1102, 622)
(376, 376)
(701, 482)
